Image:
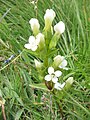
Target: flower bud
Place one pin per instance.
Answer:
(49, 17)
(54, 41)
(38, 64)
(40, 38)
(59, 28)
(34, 26)
(69, 82)
(57, 60)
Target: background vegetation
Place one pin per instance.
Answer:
(24, 101)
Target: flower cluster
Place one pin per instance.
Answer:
(53, 76)
(59, 62)
(38, 38)
(44, 44)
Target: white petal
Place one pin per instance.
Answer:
(37, 41)
(48, 77)
(59, 27)
(54, 79)
(34, 48)
(58, 73)
(58, 58)
(62, 85)
(28, 46)
(31, 39)
(50, 70)
(34, 23)
(50, 14)
(59, 86)
(40, 37)
(63, 64)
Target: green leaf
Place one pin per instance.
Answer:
(18, 114)
(39, 86)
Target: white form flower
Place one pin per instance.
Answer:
(40, 38)
(49, 17)
(33, 44)
(34, 25)
(53, 75)
(59, 27)
(61, 62)
(59, 86)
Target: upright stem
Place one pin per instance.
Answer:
(61, 111)
(3, 112)
(51, 110)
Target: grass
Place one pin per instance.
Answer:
(24, 101)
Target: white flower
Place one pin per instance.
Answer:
(53, 75)
(59, 86)
(61, 62)
(33, 44)
(40, 37)
(58, 58)
(59, 27)
(34, 25)
(49, 15)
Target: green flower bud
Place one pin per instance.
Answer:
(40, 38)
(69, 82)
(38, 64)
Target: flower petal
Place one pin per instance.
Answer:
(59, 86)
(54, 79)
(62, 85)
(50, 70)
(64, 63)
(48, 77)
(34, 23)
(59, 27)
(50, 14)
(28, 46)
(34, 48)
(58, 58)
(58, 73)
(40, 38)
(31, 39)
